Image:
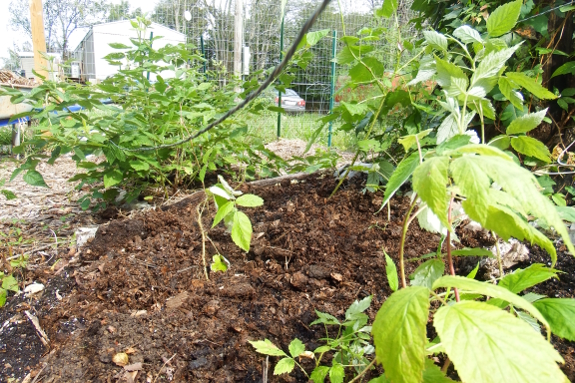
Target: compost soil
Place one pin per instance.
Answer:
(139, 288)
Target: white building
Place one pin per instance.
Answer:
(27, 64)
(96, 45)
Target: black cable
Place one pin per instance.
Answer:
(276, 72)
(547, 11)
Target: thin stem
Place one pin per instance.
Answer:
(406, 222)
(203, 233)
(363, 371)
(449, 259)
(482, 123)
(499, 262)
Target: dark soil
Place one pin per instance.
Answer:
(139, 288)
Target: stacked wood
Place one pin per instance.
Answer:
(10, 78)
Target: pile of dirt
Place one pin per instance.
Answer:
(139, 288)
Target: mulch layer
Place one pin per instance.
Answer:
(139, 287)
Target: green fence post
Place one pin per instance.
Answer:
(280, 93)
(332, 88)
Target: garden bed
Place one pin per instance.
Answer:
(139, 288)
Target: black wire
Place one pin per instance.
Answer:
(547, 11)
(276, 72)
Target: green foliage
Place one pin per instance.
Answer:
(503, 19)
(559, 313)
(226, 200)
(391, 272)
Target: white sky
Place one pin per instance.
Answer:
(8, 37)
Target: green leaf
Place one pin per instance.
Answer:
(319, 373)
(433, 374)
(32, 177)
(324, 318)
(284, 366)
(531, 85)
(531, 147)
(312, 38)
(249, 200)
(296, 348)
(355, 109)
(358, 307)
(451, 77)
(508, 90)
(10, 283)
(559, 200)
(453, 143)
(336, 373)
(467, 35)
(487, 344)
(399, 334)
(565, 69)
(500, 142)
(567, 213)
(391, 272)
(3, 296)
(368, 70)
(223, 211)
(559, 312)
(387, 9)
(482, 105)
(119, 46)
(112, 177)
(8, 194)
(526, 123)
(219, 264)
(411, 140)
(491, 290)
(220, 192)
(475, 252)
(241, 230)
(504, 18)
(486, 73)
(430, 183)
(138, 165)
(428, 272)
(436, 40)
(267, 348)
(401, 174)
(522, 279)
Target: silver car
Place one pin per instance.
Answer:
(291, 101)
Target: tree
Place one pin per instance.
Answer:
(122, 11)
(61, 19)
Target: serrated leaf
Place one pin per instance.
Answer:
(241, 230)
(508, 90)
(319, 373)
(411, 140)
(433, 374)
(368, 70)
(336, 373)
(249, 200)
(391, 272)
(526, 123)
(567, 213)
(296, 348)
(491, 290)
(522, 279)
(284, 366)
(531, 85)
(436, 40)
(482, 106)
(34, 178)
(358, 307)
(531, 147)
(10, 283)
(489, 68)
(454, 142)
(8, 194)
(564, 69)
(218, 191)
(487, 344)
(387, 9)
(504, 18)
(559, 312)
(399, 334)
(450, 77)
(429, 221)
(139, 165)
(112, 177)
(428, 272)
(325, 318)
(500, 142)
(430, 183)
(467, 35)
(218, 263)
(401, 174)
(223, 211)
(3, 296)
(267, 348)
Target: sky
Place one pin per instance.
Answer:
(8, 37)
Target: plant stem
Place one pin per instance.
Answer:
(449, 259)
(499, 262)
(406, 222)
(363, 371)
(199, 219)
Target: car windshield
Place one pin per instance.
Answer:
(288, 92)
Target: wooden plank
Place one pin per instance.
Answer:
(38, 38)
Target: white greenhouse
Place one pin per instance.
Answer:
(95, 45)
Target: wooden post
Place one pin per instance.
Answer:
(238, 38)
(38, 38)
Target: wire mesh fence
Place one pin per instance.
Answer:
(243, 37)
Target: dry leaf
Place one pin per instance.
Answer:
(121, 359)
